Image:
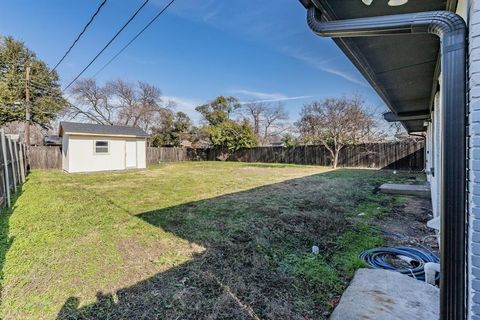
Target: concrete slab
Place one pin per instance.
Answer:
(419, 190)
(387, 295)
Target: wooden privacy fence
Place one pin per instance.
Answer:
(391, 155)
(44, 157)
(157, 155)
(13, 168)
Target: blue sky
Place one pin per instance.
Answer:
(197, 50)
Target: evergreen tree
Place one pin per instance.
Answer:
(46, 99)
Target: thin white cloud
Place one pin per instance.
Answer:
(344, 75)
(247, 18)
(199, 10)
(279, 99)
(266, 97)
(324, 65)
(250, 22)
(259, 95)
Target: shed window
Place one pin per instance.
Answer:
(101, 146)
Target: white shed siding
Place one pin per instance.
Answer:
(65, 157)
(79, 153)
(82, 156)
(141, 154)
(473, 13)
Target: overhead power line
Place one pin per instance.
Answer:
(81, 34)
(135, 38)
(108, 44)
(35, 84)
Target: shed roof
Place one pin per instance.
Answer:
(100, 129)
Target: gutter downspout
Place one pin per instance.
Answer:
(451, 30)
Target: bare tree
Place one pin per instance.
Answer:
(274, 122)
(127, 100)
(335, 122)
(254, 111)
(267, 120)
(140, 105)
(118, 102)
(92, 102)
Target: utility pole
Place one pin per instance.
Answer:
(27, 115)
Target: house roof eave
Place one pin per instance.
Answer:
(360, 61)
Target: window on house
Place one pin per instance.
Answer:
(101, 146)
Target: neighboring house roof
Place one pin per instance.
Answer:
(403, 69)
(52, 140)
(100, 129)
(201, 144)
(185, 143)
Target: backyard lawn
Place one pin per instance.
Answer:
(190, 240)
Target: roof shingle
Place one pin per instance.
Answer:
(76, 127)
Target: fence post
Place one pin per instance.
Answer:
(2, 173)
(5, 166)
(17, 162)
(24, 148)
(2, 167)
(20, 163)
(12, 161)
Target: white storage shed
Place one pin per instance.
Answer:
(88, 147)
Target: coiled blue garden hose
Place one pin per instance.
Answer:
(377, 259)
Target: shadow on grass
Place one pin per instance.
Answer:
(5, 240)
(257, 263)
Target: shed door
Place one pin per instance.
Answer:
(131, 154)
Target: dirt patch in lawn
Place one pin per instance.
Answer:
(407, 224)
(141, 260)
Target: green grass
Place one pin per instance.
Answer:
(187, 240)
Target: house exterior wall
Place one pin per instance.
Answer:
(81, 156)
(471, 9)
(428, 153)
(434, 154)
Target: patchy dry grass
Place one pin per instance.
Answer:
(187, 241)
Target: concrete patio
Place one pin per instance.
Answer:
(387, 295)
(419, 190)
